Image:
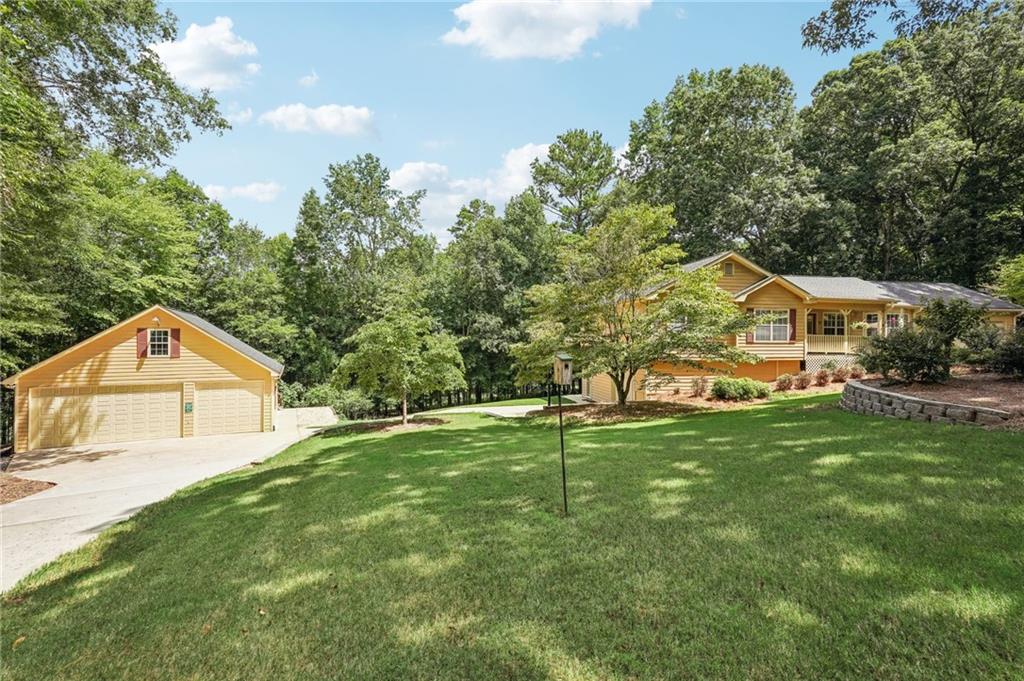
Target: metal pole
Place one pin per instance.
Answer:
(561, 444)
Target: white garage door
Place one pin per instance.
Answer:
(228, 407)
(64, 416)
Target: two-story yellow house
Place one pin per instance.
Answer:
(812, 320)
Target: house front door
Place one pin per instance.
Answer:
(812, 323)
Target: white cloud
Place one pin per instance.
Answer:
(238, 116)
(260, 192)
(330, 118)
(211, 56)
(415, 175)
(309, 80)
(547, 30)
(446, 195)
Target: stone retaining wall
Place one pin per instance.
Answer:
(865, 399)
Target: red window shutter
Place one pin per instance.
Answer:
(175, 342)
(750, 333)
(792, 325)
(141, 342)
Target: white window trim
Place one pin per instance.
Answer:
(834, 316)
(902, 320)
(759, 312)
(728, 269)
(149, 343)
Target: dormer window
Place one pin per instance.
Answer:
(727, 269)
(159, 343)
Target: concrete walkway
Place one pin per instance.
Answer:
(99, 485)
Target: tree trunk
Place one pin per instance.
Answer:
(405, 409)
(621, 389)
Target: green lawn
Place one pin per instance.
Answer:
(789, 540)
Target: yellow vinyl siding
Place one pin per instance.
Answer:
(773, 296)
(111, 360)
(742, 276)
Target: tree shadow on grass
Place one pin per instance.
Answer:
(781, 541)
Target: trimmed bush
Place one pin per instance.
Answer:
(1009, 356)
(290, 394)
(978, 347)
(821, 376)
(784, 382)
(350, 403)
(909, 355)
(840, 374)
(803, 380)
(857, 372)
(739, 389)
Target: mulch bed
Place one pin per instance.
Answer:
(605, 414)
(13, 488)
(665, 407)
(975, 390)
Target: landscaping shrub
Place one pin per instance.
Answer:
(840, 374)
(1009, 355)
(290, 394)
(821, 376)
(803, 380)
(700, 386)
(784, 382)
(952, 320)
(350, 403)
(908, 355)
(979, 346)
(739, 389)
(857, 372)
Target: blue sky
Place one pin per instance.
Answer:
(455, 98)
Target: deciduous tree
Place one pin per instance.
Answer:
(625, 304)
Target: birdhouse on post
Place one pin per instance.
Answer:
(563, 369)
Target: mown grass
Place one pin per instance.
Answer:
(785, 541)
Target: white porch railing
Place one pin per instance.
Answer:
(833, 344)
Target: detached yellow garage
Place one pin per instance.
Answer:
(162, 373)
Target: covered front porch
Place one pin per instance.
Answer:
(841, 330)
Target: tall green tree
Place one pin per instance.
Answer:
(74, 72)
(1010, 279)
(403, 354)
(570, 183)
(918, 148)
(625, 304)
(848, 23)
(347, 246)
(720, 151)
(480, 280)
(93, 62)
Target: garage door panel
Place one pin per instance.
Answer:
(69, 416)
(228, 407)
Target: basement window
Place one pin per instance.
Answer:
(159, 343)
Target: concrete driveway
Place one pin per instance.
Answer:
(99, 485)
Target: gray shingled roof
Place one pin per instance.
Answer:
(697, 264)
(920, 292)
(847, 288)
(226, 338)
